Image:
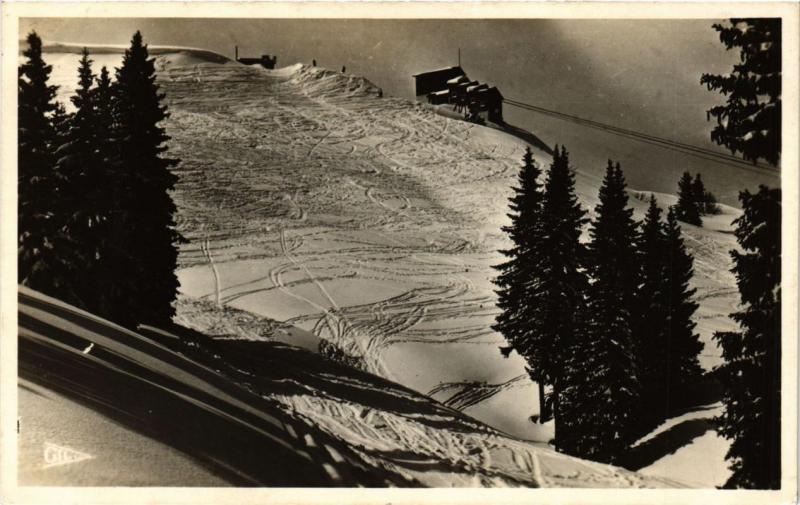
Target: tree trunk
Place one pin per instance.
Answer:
(543, 414)
(555, 413)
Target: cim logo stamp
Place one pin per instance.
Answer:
(56, 455)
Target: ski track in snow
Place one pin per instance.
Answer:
(278, 140)
(378, 193)
(415, 448)
(468, 394)
(207, 253)
(373, 223)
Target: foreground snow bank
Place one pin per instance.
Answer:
(395, 429)
(144, 385)
(287, 416)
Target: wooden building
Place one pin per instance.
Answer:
(436, 80)
(491, 101)
(452, 86)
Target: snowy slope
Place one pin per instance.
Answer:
(64, 56)
(151, 390)
(286, 416)
(371, 222)
(316, 211)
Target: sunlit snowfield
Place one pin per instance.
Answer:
(317, 211)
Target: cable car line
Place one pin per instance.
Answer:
(699, 152)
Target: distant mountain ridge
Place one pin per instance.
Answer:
(155, 50)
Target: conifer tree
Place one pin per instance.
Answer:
(750, 121)
(104, 184)
(706, 203)
(699, 192)
(668, 346)
(651, 317)
(60, 121)
(102, 97)
(561, 281)
(143, 238)
(687, 209)
(684, 346)
(752, 369)
(602, 393)
(76, 160)
(518, 290)
(709, 204)
(87, 189)
(43, 247)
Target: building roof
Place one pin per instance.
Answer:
(440, 70)
(456, 80)
(475, 87)
(492, 91)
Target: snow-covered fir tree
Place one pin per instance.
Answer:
(44, 246)
(699, 192)
(106, 186)
(77, 160)
(601, 395)
(706, 201)
(651, 317)
(750, 121)
(60, 120)
(102, 96)
(683, 344)
(751, 374)
(688, 208)
(563, 281)
(142, 233)
(519, 295)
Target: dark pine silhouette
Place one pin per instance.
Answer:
(687, 209)
(44, 247)
(664, 330)
(750, 121)
(102, 97)
(562, 280)
(104, 186)
(706, 201)
(519, 295)
(78, 161)
(602, 392)
(752, 370)
(651, 318)
(683, 344)
(699, 192)
(143, 238)
(60, 121)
